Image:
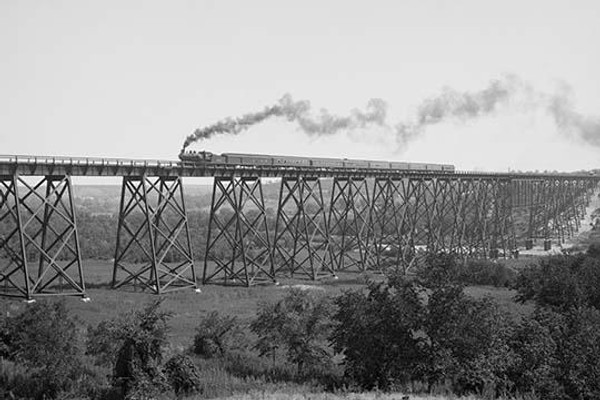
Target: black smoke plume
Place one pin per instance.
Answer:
(452, 104)
(463, 106)
(299, 112)
(449, 105)
(569, 121)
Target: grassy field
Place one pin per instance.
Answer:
(188, 306)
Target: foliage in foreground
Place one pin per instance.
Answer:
(423, 333)
(400, 332)
(377, 333)
(298, 326)
(43, 353)
(134, 345)
(429, 330)
(216, 335)
(561, 282)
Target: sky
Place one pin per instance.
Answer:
(134, 78)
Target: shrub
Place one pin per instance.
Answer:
(444, 269)
(44, 343)
(557, 354)
(216, 335)
(561, 282)
(594, 250)
(467, 342)
(298, 325)
(439, 269)
(486, 272)
(133, 343)
(535, 366)
(579, 353)
(377, 334)
(183, 375)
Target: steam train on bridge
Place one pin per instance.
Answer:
(192, 158)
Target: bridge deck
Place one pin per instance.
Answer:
(26, 165)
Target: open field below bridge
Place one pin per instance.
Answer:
(188, 307)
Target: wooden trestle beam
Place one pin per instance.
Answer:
(153, 250)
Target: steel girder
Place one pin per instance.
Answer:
(386, 217)
(39, 227)
(238, 245)
(555, 206)
(470, 217)
(301, 244)
(350, 225)
(153, 249)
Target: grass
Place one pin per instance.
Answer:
(188, 306)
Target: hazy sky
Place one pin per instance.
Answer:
(134, 78)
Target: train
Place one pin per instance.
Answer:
(192, 158)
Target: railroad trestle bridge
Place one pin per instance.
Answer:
(327, 220)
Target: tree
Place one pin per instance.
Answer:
(298, 325)
(45, 339)
(467, 341)
(535, 366)
(216, 334)
(133, 343)
(377, 332)
(183, 375)
(439, 269)
(561, 282)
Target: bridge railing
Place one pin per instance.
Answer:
(100, 164)
(85, 161)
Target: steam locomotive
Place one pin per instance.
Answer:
(205, 157)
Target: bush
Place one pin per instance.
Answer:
(486, 272)
(298, 325)
(535, 366)
(561, 282)
(557, 354)
(579, 353)
(439, 269)
(400, 332)
(467, 342)
(444, 269)
(133, 344)
(44, 344)
(377, 334)
(216, 335)
(594, 250)
(183, 375)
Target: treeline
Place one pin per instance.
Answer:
(423, 334)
